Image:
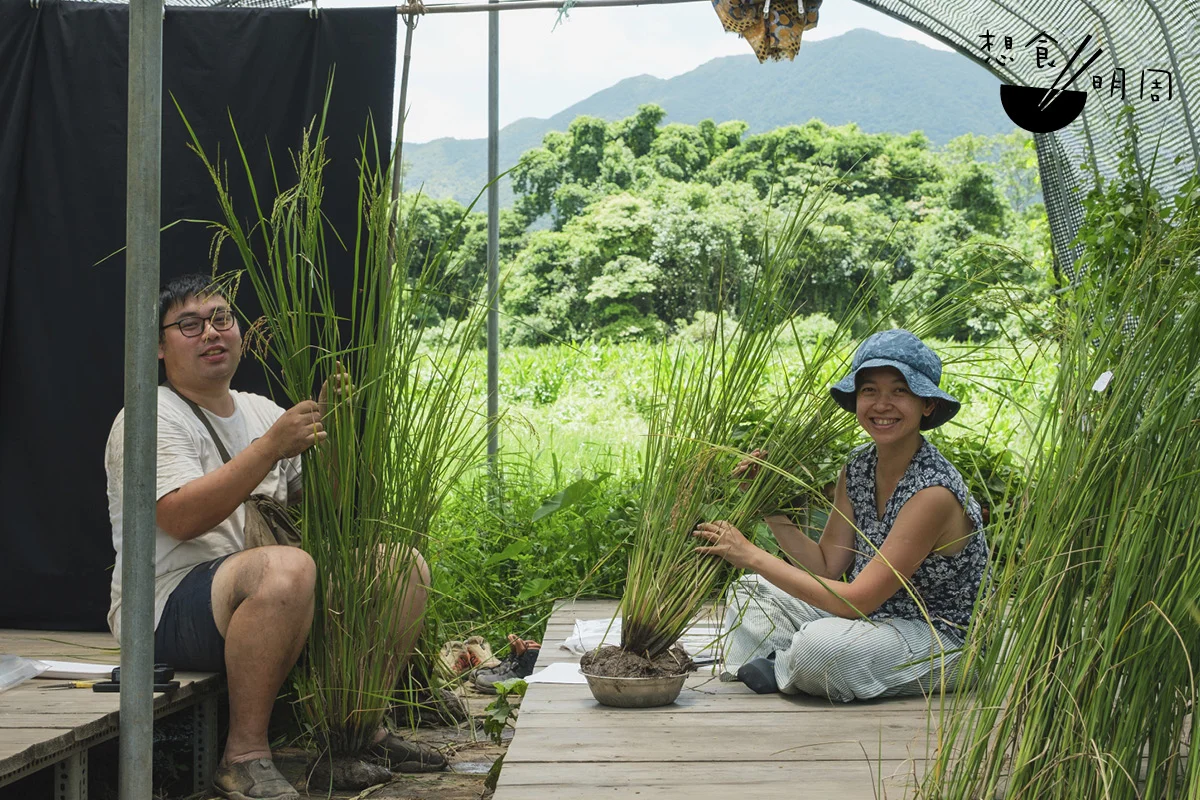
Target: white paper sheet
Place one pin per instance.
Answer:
(75, 670)
(562, 672)
(588, 634)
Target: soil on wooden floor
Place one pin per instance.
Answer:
(611, 661)
(468, 749)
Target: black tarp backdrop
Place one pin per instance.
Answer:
(63, 87)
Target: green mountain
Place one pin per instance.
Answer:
(883, 84)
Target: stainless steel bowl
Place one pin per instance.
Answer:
(635, 692)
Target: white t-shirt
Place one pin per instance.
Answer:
(186, 451)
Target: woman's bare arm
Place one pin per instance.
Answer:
(833, 554)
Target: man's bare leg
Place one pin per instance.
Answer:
(405, 619)
(263, 606)
(410, 615)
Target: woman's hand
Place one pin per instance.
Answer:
(726, 541)
(748, 468)
(337, 384)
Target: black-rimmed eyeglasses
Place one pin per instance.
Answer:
(221, 320)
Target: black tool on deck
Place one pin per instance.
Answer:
(163, 673)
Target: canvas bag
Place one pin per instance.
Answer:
(267, 521)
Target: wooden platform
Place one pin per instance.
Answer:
(42, 728)
(718, 740)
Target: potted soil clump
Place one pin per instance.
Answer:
(623, 679)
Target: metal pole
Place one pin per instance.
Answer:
(493, 241)
(142, 220)
(518, 5)
(410, 22)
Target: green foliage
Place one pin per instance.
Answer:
(1122, 214)
(502, 712)
(506, 549)
(649, 224)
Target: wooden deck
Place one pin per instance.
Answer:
(42, 728)
(718, 740)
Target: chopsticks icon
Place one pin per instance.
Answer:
(1053, 92)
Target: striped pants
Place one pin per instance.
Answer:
(826, 656)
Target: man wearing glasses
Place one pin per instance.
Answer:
(218, 606)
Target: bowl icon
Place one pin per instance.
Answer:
(1024, 106)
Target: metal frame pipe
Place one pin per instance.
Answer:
(493, 240)
(410, 23)
(142, 220)
(519, 5)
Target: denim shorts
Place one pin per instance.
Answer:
(187, 637)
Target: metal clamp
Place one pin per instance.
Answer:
(34, 4)
(313, 11)
(411, 10)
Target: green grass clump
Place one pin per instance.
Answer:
(396, 447)
(1087, 648)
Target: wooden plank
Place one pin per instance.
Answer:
(768, 780)
(15, 740)
(39, 725)
(703, 696)
(667, 739)
(52, 721)
(718, 740)
(90, 647)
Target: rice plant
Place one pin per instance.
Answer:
(1087, 649)
(396, 446)
(699, 404)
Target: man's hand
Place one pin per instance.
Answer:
(297, 430)
(726, 541)
(338, 385)
(748, 469)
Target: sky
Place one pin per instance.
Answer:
(544, 70)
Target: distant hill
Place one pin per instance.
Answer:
(883, 84)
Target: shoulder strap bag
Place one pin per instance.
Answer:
(268, 521)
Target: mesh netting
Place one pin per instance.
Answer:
(1149, 60)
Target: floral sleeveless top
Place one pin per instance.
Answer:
(946, 584)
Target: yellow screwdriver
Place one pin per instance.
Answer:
(74, 685)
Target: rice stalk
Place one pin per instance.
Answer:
(699, 399)
(1086, 653)
(373, 489)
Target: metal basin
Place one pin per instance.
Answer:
(635, 692)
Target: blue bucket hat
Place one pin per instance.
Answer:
(919, 365)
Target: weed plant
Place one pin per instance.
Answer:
(701, 398)
(550, 533)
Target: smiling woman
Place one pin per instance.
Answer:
(879, 605)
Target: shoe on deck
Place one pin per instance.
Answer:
(515, 666)
(257, 779)
(481, 653)
(759, 674)
(400, 755)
